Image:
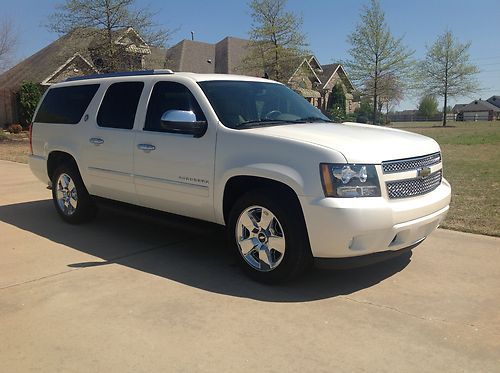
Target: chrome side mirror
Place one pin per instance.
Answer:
(183, 122)
(178, 116)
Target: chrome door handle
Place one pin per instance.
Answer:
(146, 147)
(96, 140)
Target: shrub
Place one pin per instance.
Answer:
(28, 96)
(15, 128)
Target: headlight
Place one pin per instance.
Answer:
(349, 180)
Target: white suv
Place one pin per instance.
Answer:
(243, 152)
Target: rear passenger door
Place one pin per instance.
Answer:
(109, 143)
(174, 171)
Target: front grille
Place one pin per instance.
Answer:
(408, 164)
(413, 187)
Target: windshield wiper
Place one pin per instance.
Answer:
(252, 123)
(313, 119)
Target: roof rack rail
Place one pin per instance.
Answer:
(122, 73)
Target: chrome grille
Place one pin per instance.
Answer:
(408, 164)
(413, 187)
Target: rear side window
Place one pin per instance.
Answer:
(66, 104)
(119, 105)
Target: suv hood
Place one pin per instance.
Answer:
(359, 143)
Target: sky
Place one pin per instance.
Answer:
(326, 23)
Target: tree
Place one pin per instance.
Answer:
(428, 106)
(446, 70)
(376, 54)
(100, 19)
(276, 40)
(28, 96)
(8, 42)
(390, 92)
(337, 98)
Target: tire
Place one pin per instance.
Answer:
(71, 199)
(269, 236)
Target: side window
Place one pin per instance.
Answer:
(119, 105)
(66, 104)
(169, 96)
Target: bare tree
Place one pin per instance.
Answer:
(276, 39)
(8, 43)
(376, 54)
(100, 19)
(446, 70)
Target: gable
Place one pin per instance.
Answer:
(74, 66)
(133, 42)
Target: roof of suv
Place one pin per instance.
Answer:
(156, 74)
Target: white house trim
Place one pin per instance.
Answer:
(64, 65)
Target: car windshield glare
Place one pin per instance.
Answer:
(244, 104)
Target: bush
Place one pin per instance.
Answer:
(336, 114)
(15, 128)
(28, 96)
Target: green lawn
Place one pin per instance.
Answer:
(471, 157)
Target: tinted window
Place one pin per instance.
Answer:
(169, 96)
(66, 104)
(240, 102)
(119, 105)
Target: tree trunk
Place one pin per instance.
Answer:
(445, 89)
(375, 83)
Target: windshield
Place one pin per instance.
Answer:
(244, 104)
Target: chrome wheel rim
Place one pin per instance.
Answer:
(66, 195)
(260, 238)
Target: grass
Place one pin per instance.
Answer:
(471, 161)
(471, 156)
(14, 147)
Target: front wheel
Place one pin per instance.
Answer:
(269, 236)
(71, 199)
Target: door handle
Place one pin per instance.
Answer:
(96, 140)
(146, 147)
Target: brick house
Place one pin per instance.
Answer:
(78, 53)
(73, 54)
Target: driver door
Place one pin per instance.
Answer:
(174, 171)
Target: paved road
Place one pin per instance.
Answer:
(128, 293)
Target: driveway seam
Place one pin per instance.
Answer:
(444, 321)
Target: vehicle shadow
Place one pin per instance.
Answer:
(186, 251)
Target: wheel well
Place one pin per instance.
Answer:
(239, 185)
(57, 158)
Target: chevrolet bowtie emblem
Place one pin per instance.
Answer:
(423, 172)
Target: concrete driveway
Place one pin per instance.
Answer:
(130, 293)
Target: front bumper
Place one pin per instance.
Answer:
(349, 227)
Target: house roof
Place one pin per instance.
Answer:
(229, 55)
(494, 100)
(480, 105)
(192, 56)
(458, 108)
(328, 71)
(42, 64)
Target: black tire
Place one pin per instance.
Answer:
(85, 209)
(297, 255)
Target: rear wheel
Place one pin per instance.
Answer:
(269, 236)
(71, 199)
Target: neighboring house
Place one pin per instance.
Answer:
(480, 110)
(83, 52)
(494, 100)
(74, 54)
(312, 80)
